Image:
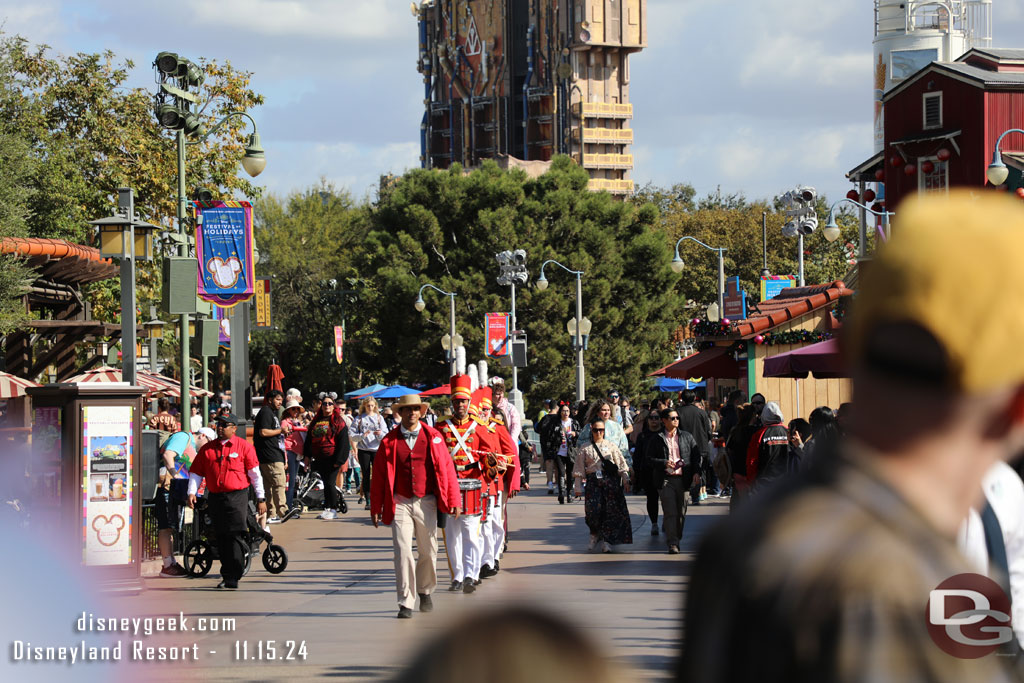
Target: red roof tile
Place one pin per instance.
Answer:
(789, 305)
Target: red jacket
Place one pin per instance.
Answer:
(382, 484)
(510, 478)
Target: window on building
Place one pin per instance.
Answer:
(932, 110)
(932, 175)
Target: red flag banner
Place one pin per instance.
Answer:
(497, 335)
(339, 342)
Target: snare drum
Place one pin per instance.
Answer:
(471, 491)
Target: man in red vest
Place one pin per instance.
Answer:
(468, 441)
(229, 466)
(413, 476)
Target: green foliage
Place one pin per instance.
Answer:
(15, 197)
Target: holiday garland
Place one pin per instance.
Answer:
(792, 337)
(711, 328)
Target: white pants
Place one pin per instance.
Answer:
(465, 546)
(415, 516)
(494, 529)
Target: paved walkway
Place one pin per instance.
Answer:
(338, 596)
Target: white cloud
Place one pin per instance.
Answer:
(38, 20)
(314, 18)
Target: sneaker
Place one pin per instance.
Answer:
(703, 496)
(551, 488)
(426, 604)
(360, 501)
(366, 507)
(673, 550)
(605, 547)
(174, 571)
(328, 514)
(404, 613)
(274, 520)
(593, 543)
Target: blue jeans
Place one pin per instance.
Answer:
(352, 473)
(293, 477)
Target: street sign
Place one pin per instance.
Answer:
(735, 300)
(262, 301)
(772, 285)
(497, 338)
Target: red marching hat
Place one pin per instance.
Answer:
(460, 385)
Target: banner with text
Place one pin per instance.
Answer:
(224, 249)
(497, 326)
(262, 299)
(339, 342)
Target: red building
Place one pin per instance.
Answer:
(942, 123)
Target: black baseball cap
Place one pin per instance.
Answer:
(230, 419)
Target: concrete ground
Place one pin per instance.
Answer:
(337, 596)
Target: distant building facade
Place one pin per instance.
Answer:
(529, 79)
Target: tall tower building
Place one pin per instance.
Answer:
(911, 34)
(528, 79)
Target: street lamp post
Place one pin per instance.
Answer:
(125, 237)
(832, 231)
(542, 284)
(677, 266)
(997, 173)
(419, 305)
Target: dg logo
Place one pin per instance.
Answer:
(969, 616)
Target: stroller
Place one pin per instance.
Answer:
(309, 493)
(200, 553)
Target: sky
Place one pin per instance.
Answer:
(750, 96)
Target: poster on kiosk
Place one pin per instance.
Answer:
(108, 452)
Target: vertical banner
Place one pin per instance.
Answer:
(262, 299)
(223, 325)
(339, 342)
(224, 250)
(107, 453)
(496, 342)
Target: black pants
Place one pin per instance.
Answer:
(653, 503)
(673, 498)
(366, 465)
(563, 471)
(228, 511)
(328, 470)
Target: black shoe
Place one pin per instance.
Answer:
(404, 613)
(230, 584)
(497, 566)
(654, 530)
(673, 550)
(468, 586)
(477, 582)
(561, 499)
(426, 604)
(456, 586)
(487, 572)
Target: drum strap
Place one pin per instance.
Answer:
(461, 439)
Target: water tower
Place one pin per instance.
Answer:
(910, 34)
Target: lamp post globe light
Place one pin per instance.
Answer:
(176, 108)
(420, 306)
(832, 231)
(997, 172)
(575, 330)
(677, 265)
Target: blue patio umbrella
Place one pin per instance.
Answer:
(365, 390)
(393, 392)
(670, 384)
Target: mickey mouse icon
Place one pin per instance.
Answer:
(225, 273)
(108, 529)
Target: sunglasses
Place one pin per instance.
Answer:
(654, 417)
(328, 403)
(673, 417)
(597, 431)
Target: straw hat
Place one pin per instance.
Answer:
(410, 400)
(292, 403)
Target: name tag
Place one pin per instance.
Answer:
(232, 455)
(437, 439)
(599, 474)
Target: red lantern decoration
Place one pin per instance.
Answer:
(880, 175)
(877, 206)
(896, 161)
(943, 154)
(910, 169)
(759, 340)
(852, 195)
(869, 196)
(1020, 192)
(927, 167)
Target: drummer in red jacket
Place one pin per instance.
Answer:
(413, 476)
(505, 486)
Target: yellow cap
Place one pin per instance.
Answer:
(952, 268)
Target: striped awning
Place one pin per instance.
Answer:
(13, 387)
(152, 382)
